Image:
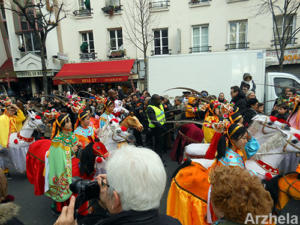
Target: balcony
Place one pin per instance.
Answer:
(88, 56)
(120, 53)
(83, 13)
(112, 9)
(291, 42)
(233, 1)
(162, 5)
(200, 49)
(234, 46)
(199, 3)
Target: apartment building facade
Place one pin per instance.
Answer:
(97, 31)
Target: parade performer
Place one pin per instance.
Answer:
(192, 109)
(294, 118)
(58, 175)
(233, 117)
(83, 131)
(211, 116)
(235, 147)
(107, 116)
(10, 122)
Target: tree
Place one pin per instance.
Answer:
(42, 16)
(138, 27)
(283, 13)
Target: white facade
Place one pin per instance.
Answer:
(178, 18)
(27, 62)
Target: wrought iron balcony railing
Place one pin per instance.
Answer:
(200, 49)
(241, 45)
(83, 12)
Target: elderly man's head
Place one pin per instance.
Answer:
(136, 179)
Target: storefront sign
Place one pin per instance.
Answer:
(92, 80)
(291, 56)
(24, 74)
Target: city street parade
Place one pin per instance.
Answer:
(125, 113)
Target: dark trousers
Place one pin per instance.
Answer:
(138, 136)
(159, 140)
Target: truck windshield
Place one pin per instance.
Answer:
(281, 83)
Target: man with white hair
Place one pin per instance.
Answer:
(131, 191)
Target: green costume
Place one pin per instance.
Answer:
(60, 167)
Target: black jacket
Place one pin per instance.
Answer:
(241, 102)
(248, 115)
(151, 217)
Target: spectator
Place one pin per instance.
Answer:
(260, 108)
(221, 98)
(248, 82)
(8, 209)
(243, 195)
(132, 194)
(251, 111)
(283, 113)
(250, 94)
(238, 98)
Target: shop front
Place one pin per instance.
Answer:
(97, 76)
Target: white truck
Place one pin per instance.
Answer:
(216, 72)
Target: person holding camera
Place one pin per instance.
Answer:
(131, 194)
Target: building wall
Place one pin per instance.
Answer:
(29, 63)
(179, 16)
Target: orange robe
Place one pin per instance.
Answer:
(187, 198)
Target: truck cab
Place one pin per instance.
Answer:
(274, 86)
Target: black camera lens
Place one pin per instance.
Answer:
(88, 189)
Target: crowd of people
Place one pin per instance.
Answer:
(135, 178)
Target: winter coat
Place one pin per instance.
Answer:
(8, 213)
(241, 102)
(151, 217)
(250, 85)
(248, 115)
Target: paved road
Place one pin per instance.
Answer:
(35, 210)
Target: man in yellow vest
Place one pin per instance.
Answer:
(156, 118)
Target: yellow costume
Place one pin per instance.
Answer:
(9, 125)
(209, 119)
(187, 198)
(190, 111)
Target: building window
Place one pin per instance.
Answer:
(84, 8)
(200, 39)
(238, 35)
(285, 25)
(28, 42)
(161, 42)
(116, 39)
(159, 3)
(87, 46)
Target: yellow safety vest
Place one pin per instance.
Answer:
(160, 115)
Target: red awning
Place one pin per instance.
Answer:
(94, 72)
(7, 72)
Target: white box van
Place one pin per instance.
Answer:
(216, 72)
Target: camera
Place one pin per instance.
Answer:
(86, 190)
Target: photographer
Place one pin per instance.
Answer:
(131, 191)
